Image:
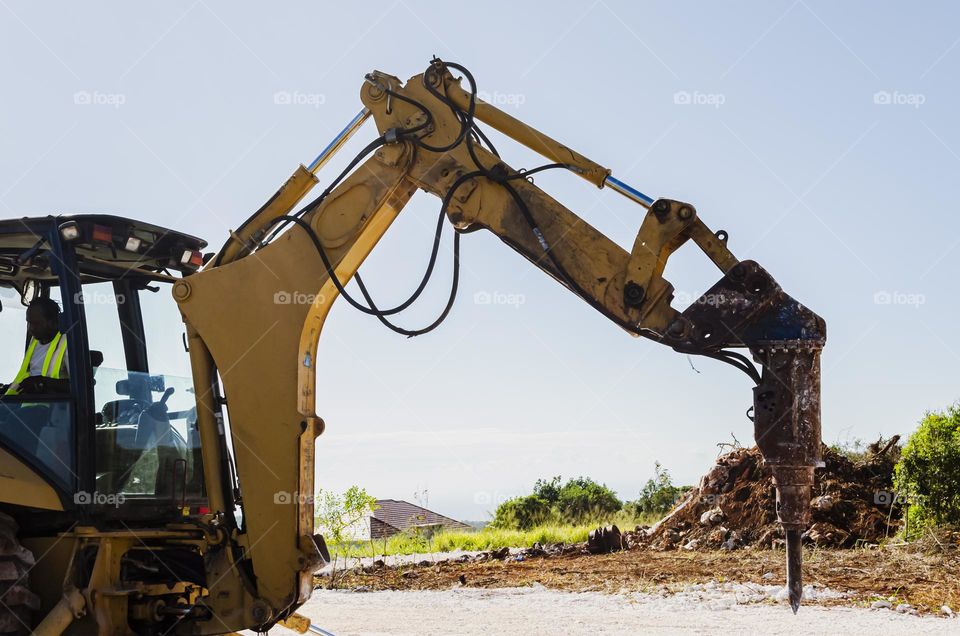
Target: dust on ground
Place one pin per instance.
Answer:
(723, 530)
(907, 574)
(537, 610)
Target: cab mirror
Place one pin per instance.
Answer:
(29, 292)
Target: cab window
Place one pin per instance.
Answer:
(36, 427)
(147, 442)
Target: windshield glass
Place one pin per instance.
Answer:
(146, 436)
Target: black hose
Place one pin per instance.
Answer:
(469, 134)
(373, 310)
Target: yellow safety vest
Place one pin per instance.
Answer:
(51, 362)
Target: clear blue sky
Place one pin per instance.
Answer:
(822, 136)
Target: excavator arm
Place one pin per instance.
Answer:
(255, 314)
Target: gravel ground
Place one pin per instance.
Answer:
(395, 560)
(698, 609)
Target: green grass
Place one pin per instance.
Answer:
(486, 539)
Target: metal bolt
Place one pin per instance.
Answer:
(661, 208)
(633, 294)
(677, 328)
(685, 213)
(181, 290)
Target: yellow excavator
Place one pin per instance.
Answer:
(133, 502)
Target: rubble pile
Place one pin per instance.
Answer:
(734, 506)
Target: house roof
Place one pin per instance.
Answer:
(403, 515)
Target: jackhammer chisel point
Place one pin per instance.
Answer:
(794, 568)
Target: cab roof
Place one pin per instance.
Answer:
(106, 247)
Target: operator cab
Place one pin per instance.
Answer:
(122, 440)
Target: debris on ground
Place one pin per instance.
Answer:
(925, 575)
(715, 532)
(605, 539)
(734, 506)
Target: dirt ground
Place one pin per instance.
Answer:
(720, 548)
(536, 610)
(926, 580)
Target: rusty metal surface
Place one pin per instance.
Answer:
(748, 309)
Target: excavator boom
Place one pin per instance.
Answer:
(249, 337)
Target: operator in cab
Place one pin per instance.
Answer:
(44, 367)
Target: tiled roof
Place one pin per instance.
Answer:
(403, 515)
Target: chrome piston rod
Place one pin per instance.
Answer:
(628, 191)
(342, 137)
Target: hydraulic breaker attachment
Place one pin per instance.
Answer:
(747, 308)
(787, 429)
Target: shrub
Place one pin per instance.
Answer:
(929, 469)
(658, 496)
(582, 500)
(578, 501)
(549, 491)
(522, 513)
(336, 513)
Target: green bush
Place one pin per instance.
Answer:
(522, 513)
(582, 500)
(578, 501)
(928, 472)
(658, 496)
(549, 491)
